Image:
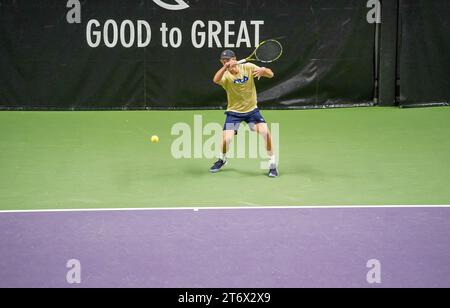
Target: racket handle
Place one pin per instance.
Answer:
(242, 61)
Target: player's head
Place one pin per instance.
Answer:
(227, 55)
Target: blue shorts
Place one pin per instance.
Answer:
(234, 119)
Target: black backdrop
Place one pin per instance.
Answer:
(45, 62)
(424, 52)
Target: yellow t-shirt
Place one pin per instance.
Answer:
(241, 89)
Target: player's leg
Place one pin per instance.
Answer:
(257, 123)
(229, 131)
(227, 137)
(263, 130)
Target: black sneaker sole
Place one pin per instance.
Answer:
(273, 176)
(217, 170)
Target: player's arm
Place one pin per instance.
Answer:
(219, 75)
(263, 72)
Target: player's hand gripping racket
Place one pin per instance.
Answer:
(266, 52)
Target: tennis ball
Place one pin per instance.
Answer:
(155, 139)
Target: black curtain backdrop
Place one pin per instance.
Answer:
(45, 62)
(424, 52)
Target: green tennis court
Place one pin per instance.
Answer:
(361, 156)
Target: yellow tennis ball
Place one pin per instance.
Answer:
(155, 139)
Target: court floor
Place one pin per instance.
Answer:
(91, 187)
(357, 156)
(230, 248)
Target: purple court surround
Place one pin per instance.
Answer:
(258, 248)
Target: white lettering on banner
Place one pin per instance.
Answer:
(164, 30)
(214, 29)
(111, 33)
(204, 34)
(130, 42)
(228, 33)
(257, 24)
(243, 36)
(115, 35)
(148, 33)
(175, 37)
(219, 36)
(198, 35)
(89, 33)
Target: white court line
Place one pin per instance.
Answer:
(197, 209)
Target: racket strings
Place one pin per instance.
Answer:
(269, 51)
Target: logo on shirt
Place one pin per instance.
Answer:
(241, 81)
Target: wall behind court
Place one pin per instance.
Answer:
(424, 52)
(48, 63)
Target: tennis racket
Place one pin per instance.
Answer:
(266, 52)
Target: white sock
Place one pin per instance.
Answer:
(272, 161)
(223, 156)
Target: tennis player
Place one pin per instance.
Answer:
(238, 80)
